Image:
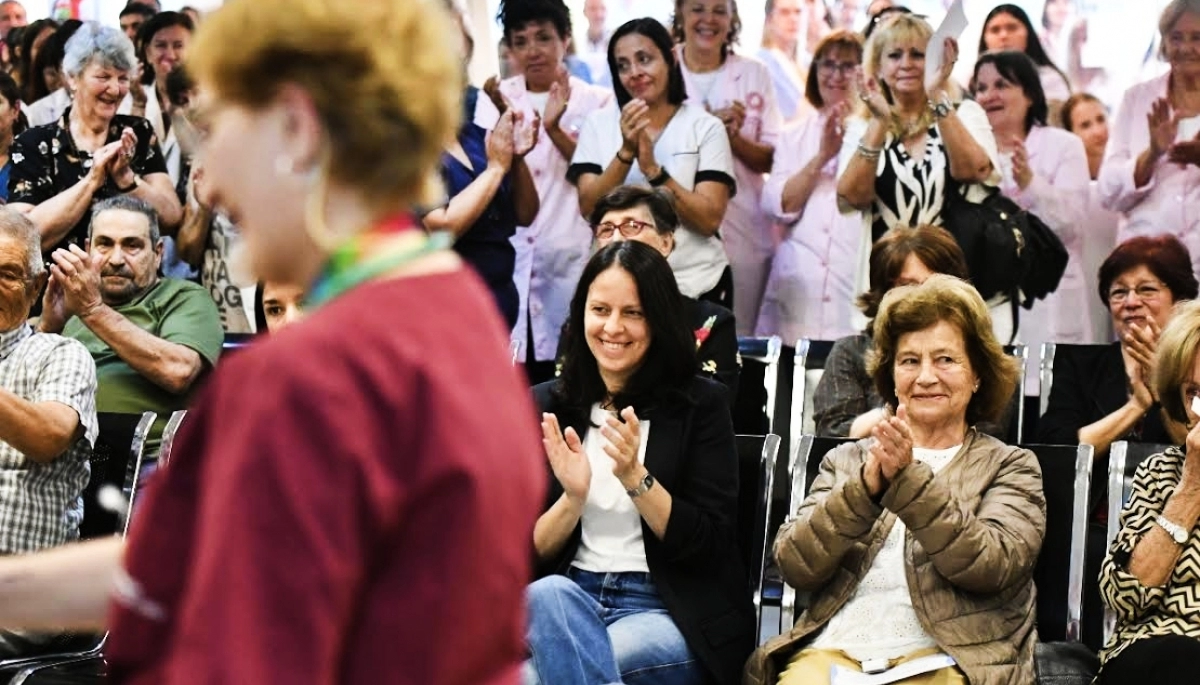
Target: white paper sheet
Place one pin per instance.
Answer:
(951, 27)
(927, 664)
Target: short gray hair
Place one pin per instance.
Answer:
(128, 203)
(1171, 14)
(104, 45)
(17, 226)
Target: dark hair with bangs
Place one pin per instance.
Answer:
(1018, 69)
(515, 15)
(156, 23)
(662, 209)
(1164, 255)
(657, 33)
(1033, 44)
(666, 371)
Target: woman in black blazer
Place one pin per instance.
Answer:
(640, 579)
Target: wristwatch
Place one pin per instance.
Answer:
(137, 181)
(660, 178)
(1176, 531)
(942, 108)
(642, 488)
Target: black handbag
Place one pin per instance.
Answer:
(1008, 250)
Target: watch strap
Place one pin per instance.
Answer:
(642, 488)
(1176, 531)
(132, 186)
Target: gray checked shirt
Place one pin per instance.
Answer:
(41, 505)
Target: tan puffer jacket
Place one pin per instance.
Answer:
(974, 532)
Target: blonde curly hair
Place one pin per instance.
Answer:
(383, 78)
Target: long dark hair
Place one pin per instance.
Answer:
(26, 67)
(1033, 44)
(657, 33)
(670, 362)
(156, 23)
(1018, 69)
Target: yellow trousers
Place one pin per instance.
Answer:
(813, 666)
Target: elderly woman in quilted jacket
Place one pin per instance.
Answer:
(918, 543)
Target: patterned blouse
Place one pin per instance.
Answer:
(45, 162)
(1144, 612)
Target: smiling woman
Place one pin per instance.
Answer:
(636, 551)
(954, 518)
(91, 153)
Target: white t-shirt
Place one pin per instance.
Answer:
(692, 148)
(878, 621)
(612, 526)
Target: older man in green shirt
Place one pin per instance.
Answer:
(152, 338)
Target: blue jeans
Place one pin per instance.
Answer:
(596, 628)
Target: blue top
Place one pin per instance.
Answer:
(4, 180)
(485, 245)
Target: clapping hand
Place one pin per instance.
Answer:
(525, 133)
(733, 117)
(623, 440)
(872, 96)
(78, 275)
(635, 117)
(1185, 152)
(119, 168)
(890, 452)
(938, 80)
(1022, 173)
(567, 459)
(500, 142)
(491, 88)
(832, 133)
(1163, 125)
(560, 95)
(1141, 342)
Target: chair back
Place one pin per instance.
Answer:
(168, 437)
(1058, 576)
(803, 467)
(756, 477)
(807, 369)
(1051, 352)
(1124, 458)
(758, 385)
(116, 461)
(1016, 409)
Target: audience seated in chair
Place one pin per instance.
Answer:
(1149, 578)
(1102, 396)
(152, 338)
(47, 418)
(648, 216)
(639, 568)
(922, 542)
(845, 403)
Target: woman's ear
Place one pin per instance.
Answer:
(302, 133)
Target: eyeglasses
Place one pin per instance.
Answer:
(829, 66)
(628, 228)
(1146, 292)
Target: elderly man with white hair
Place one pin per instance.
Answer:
(47, 417)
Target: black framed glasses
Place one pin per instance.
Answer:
(628, 228)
